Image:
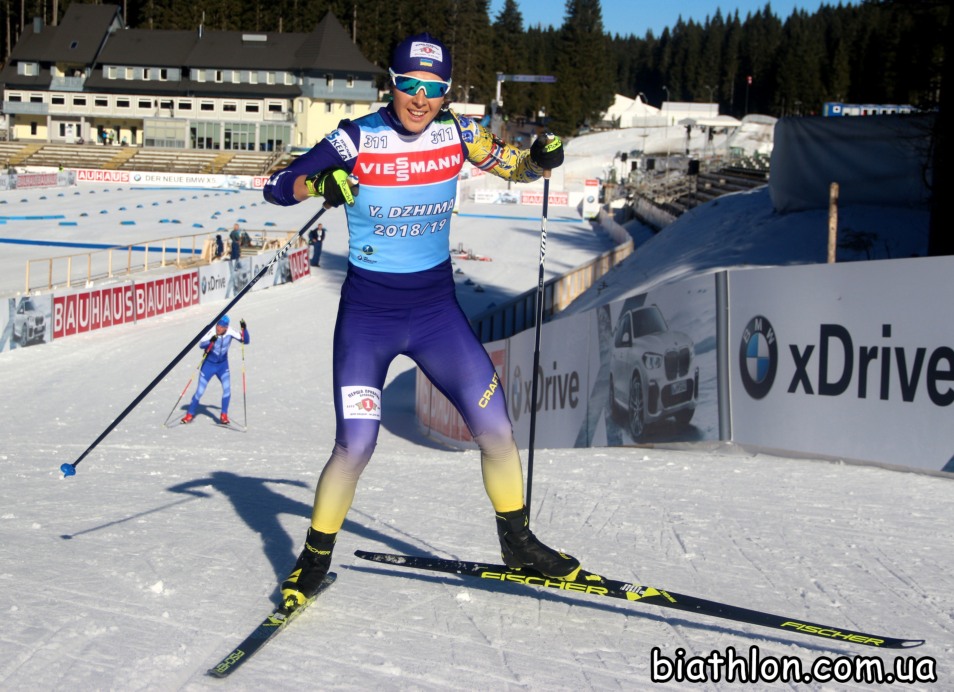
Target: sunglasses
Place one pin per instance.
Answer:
(433, 88)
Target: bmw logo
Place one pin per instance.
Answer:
(368, 249)
(515, 394)
(758, 357)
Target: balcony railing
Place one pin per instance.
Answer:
(67, 83)
(25, 108)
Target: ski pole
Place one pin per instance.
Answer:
(69, 469)
(186, 388)
(538, 327)
(244, 399)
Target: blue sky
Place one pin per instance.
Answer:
(638, 16)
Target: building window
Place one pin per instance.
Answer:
(36, 98)
(58, 100)
(229, 107)
(251, 107)
(163, 134)
(122, 103)
(33, 127)
(269, 77)
(329, 107)
(329, 81)
(199, 75)
(129, 73)
(79, 100)
(111, 72)
(163, 74)
(184, 105)
(218, 76)
(275, 108)
(28, 69)
(101, 102)
(349, 108)
(14, 98)
(253, 77)
(144, 103)
(206, 106)
(350, 81)
(165, 103)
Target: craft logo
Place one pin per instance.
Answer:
(758, 357)
(489, 392)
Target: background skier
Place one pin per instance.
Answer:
(216, 364)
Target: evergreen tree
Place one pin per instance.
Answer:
(712, 60)
(509, 57)
(584, 76)
(729, 74)
(474, 78)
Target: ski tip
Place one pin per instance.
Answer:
(909, 643)
(68, 470)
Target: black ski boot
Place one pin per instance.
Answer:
(520, 548)
(310, 569)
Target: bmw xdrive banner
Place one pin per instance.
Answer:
(849, 360)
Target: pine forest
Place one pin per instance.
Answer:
(874, 51)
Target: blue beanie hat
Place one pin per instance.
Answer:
(422, 52)
(224, 321)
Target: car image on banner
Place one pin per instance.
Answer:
(652, 371)
(29, 323)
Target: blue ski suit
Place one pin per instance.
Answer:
(398, 297)
(216, 364)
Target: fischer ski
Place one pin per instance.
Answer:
(595, 585)
(269, 628)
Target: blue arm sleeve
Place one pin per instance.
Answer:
(280, 187)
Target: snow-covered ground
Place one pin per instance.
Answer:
(167, 546)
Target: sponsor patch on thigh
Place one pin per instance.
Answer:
(361, 402)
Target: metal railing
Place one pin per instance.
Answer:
(520, 313)
(83, 268)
